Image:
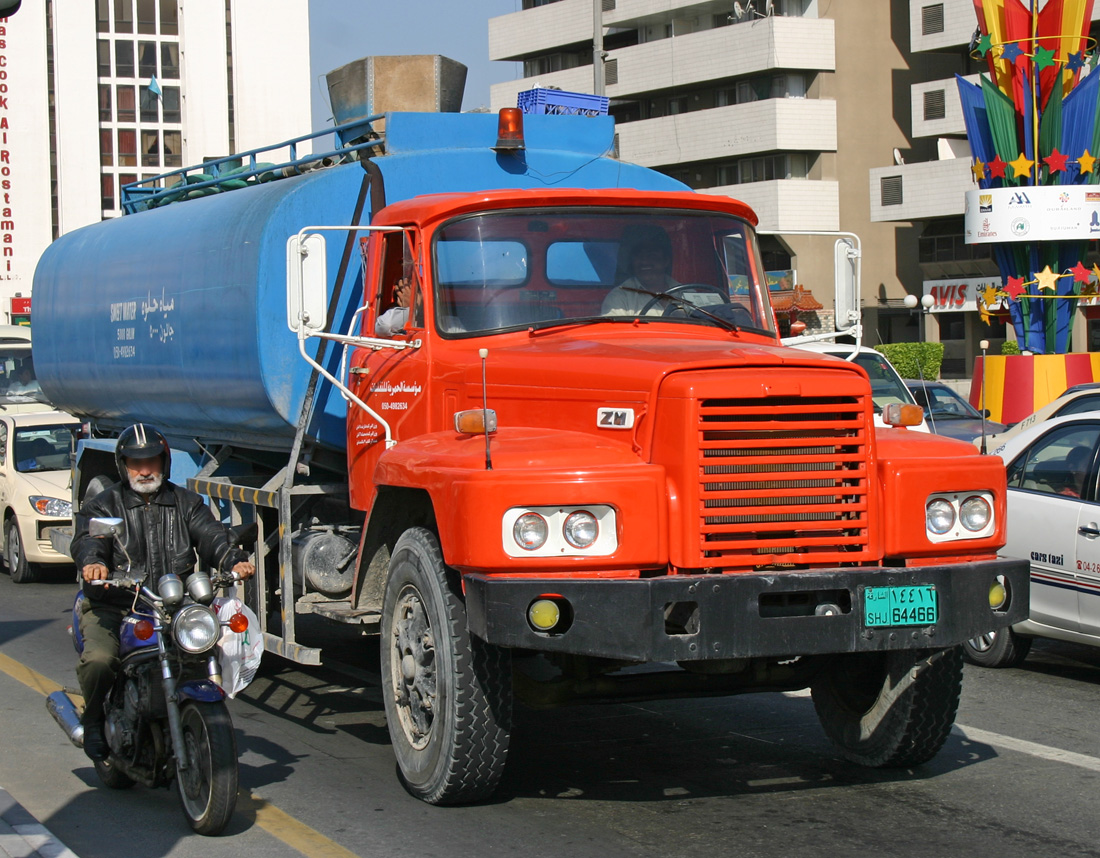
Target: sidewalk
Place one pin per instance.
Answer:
(23, 836)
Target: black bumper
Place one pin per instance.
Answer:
(742, 615)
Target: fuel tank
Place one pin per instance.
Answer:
(178, 315)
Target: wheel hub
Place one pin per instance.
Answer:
(413, 668)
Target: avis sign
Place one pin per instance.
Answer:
(958, 296)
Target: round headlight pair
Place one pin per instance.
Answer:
(974, 515)
(580, 529)
(195, 629)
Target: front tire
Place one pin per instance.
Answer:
(208, 786)
(1002, 648)
(892, 709)
(448, 695)
(21, 571)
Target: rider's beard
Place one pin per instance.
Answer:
(146, 484)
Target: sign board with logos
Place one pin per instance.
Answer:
(1042, 213)
(21, 306)
(960, 295)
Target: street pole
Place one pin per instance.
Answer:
(984, 345)
(597, 47)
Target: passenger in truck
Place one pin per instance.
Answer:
(650, 259)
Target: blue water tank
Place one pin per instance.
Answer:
(177, 315)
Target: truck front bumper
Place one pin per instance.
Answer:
(744, 615)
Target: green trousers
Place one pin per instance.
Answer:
(99, 663)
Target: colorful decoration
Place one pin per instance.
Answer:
(1037, 114)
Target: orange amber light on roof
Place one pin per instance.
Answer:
(509, 128)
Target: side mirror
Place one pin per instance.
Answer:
(846, 266)
(105, 527)
(306, 283)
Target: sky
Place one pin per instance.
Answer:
(458, 29)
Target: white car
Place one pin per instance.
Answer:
(19, 390)
(35, 492)
(886, 385)
(1053, 521)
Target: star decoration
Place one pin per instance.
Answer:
(978, 170)
(984, 44)
(1080, 273)
(1047, 278)
(1044, 58)
(997, 168)
(1096, 271)
(1011, 52)
(1086, 162)
(1056, 161)
(990, 296)
(1022, 166)
(1076, 61)
(1088, 290)
(1015, 287)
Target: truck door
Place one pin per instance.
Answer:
(392, 382)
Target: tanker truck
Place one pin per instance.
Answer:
(542, 477)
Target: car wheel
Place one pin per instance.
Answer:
(1002, 648)
(20, 570)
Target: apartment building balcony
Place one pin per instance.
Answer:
(937, 109)
(789, 204)
(908, 192)
(681, 60)
(941, 25)
(774, 124)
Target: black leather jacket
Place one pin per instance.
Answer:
(162, 535)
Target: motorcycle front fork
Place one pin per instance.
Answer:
(214, 671)
(174, 725)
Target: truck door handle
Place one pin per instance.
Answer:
(1091, 530)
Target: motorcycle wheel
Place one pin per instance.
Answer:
(208, 786)
(111, 776)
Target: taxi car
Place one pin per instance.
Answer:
(1053, 521)
(949, 414)
(34, 488)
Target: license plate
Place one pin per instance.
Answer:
(900, 606)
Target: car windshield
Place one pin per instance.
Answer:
(17, 378)
(532, 268)
(943, 402)
(42, 448)
(886, 385)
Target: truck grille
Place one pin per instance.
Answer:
(783, 480)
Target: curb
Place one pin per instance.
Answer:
(23, 836)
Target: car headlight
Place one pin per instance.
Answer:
(195, 629)
(975, 513)
(581, 529)
(51, 507)
(530, 531)
(939, 516)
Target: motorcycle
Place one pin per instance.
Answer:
(165, 716)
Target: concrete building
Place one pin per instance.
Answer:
(98, 93)
(787, 106)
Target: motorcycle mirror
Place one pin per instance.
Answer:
(200, 588)
(170, 588)
(105, 527)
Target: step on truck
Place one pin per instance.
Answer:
(426, 365)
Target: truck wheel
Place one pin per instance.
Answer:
(20, 570)
(1002, 648)
(890, 709)
(448, 695)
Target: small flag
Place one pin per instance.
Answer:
(154, 87)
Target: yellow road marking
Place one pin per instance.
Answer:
(277, 823)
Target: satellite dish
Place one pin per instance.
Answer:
(897, 157)
(738, 12)
(769, 9)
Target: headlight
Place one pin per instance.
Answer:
(975, 513)
(939, 516)
(581, 529)
(530, 531)
(195, 629)
(51, 507)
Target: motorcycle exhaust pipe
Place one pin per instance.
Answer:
(64, 713)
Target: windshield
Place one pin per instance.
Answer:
(534, 268)
(943, 402)
(42, 448)
(17, 378)
(886, 385)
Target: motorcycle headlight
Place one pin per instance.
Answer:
(195, 629)
(51, 507)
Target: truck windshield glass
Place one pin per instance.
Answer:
(886, 385)
(517, 269)
(18, 382)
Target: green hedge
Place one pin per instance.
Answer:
(914, 360)
(1010, 347)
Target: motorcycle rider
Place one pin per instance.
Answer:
(165, 525)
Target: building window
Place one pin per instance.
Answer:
(103, 57)
(931, 19)
(107, 191)
(147, 16)
(169, 20)
(102, 16)
(170, 60)
(124, 16)
(106, 147)
(890, 190)
(149, 111)
(124, 97)
(127, 147)
(173, 149)
(150, 148)
(934, 105)
(105, 102)
(147, 59)
(170, 103)
(766, 168)
(124, 59)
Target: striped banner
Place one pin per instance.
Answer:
(1019, 385)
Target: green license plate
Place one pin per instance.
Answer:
(900, 606)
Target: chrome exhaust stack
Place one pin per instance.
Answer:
(63, 710)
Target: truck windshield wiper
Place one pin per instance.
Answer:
(685, 305)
